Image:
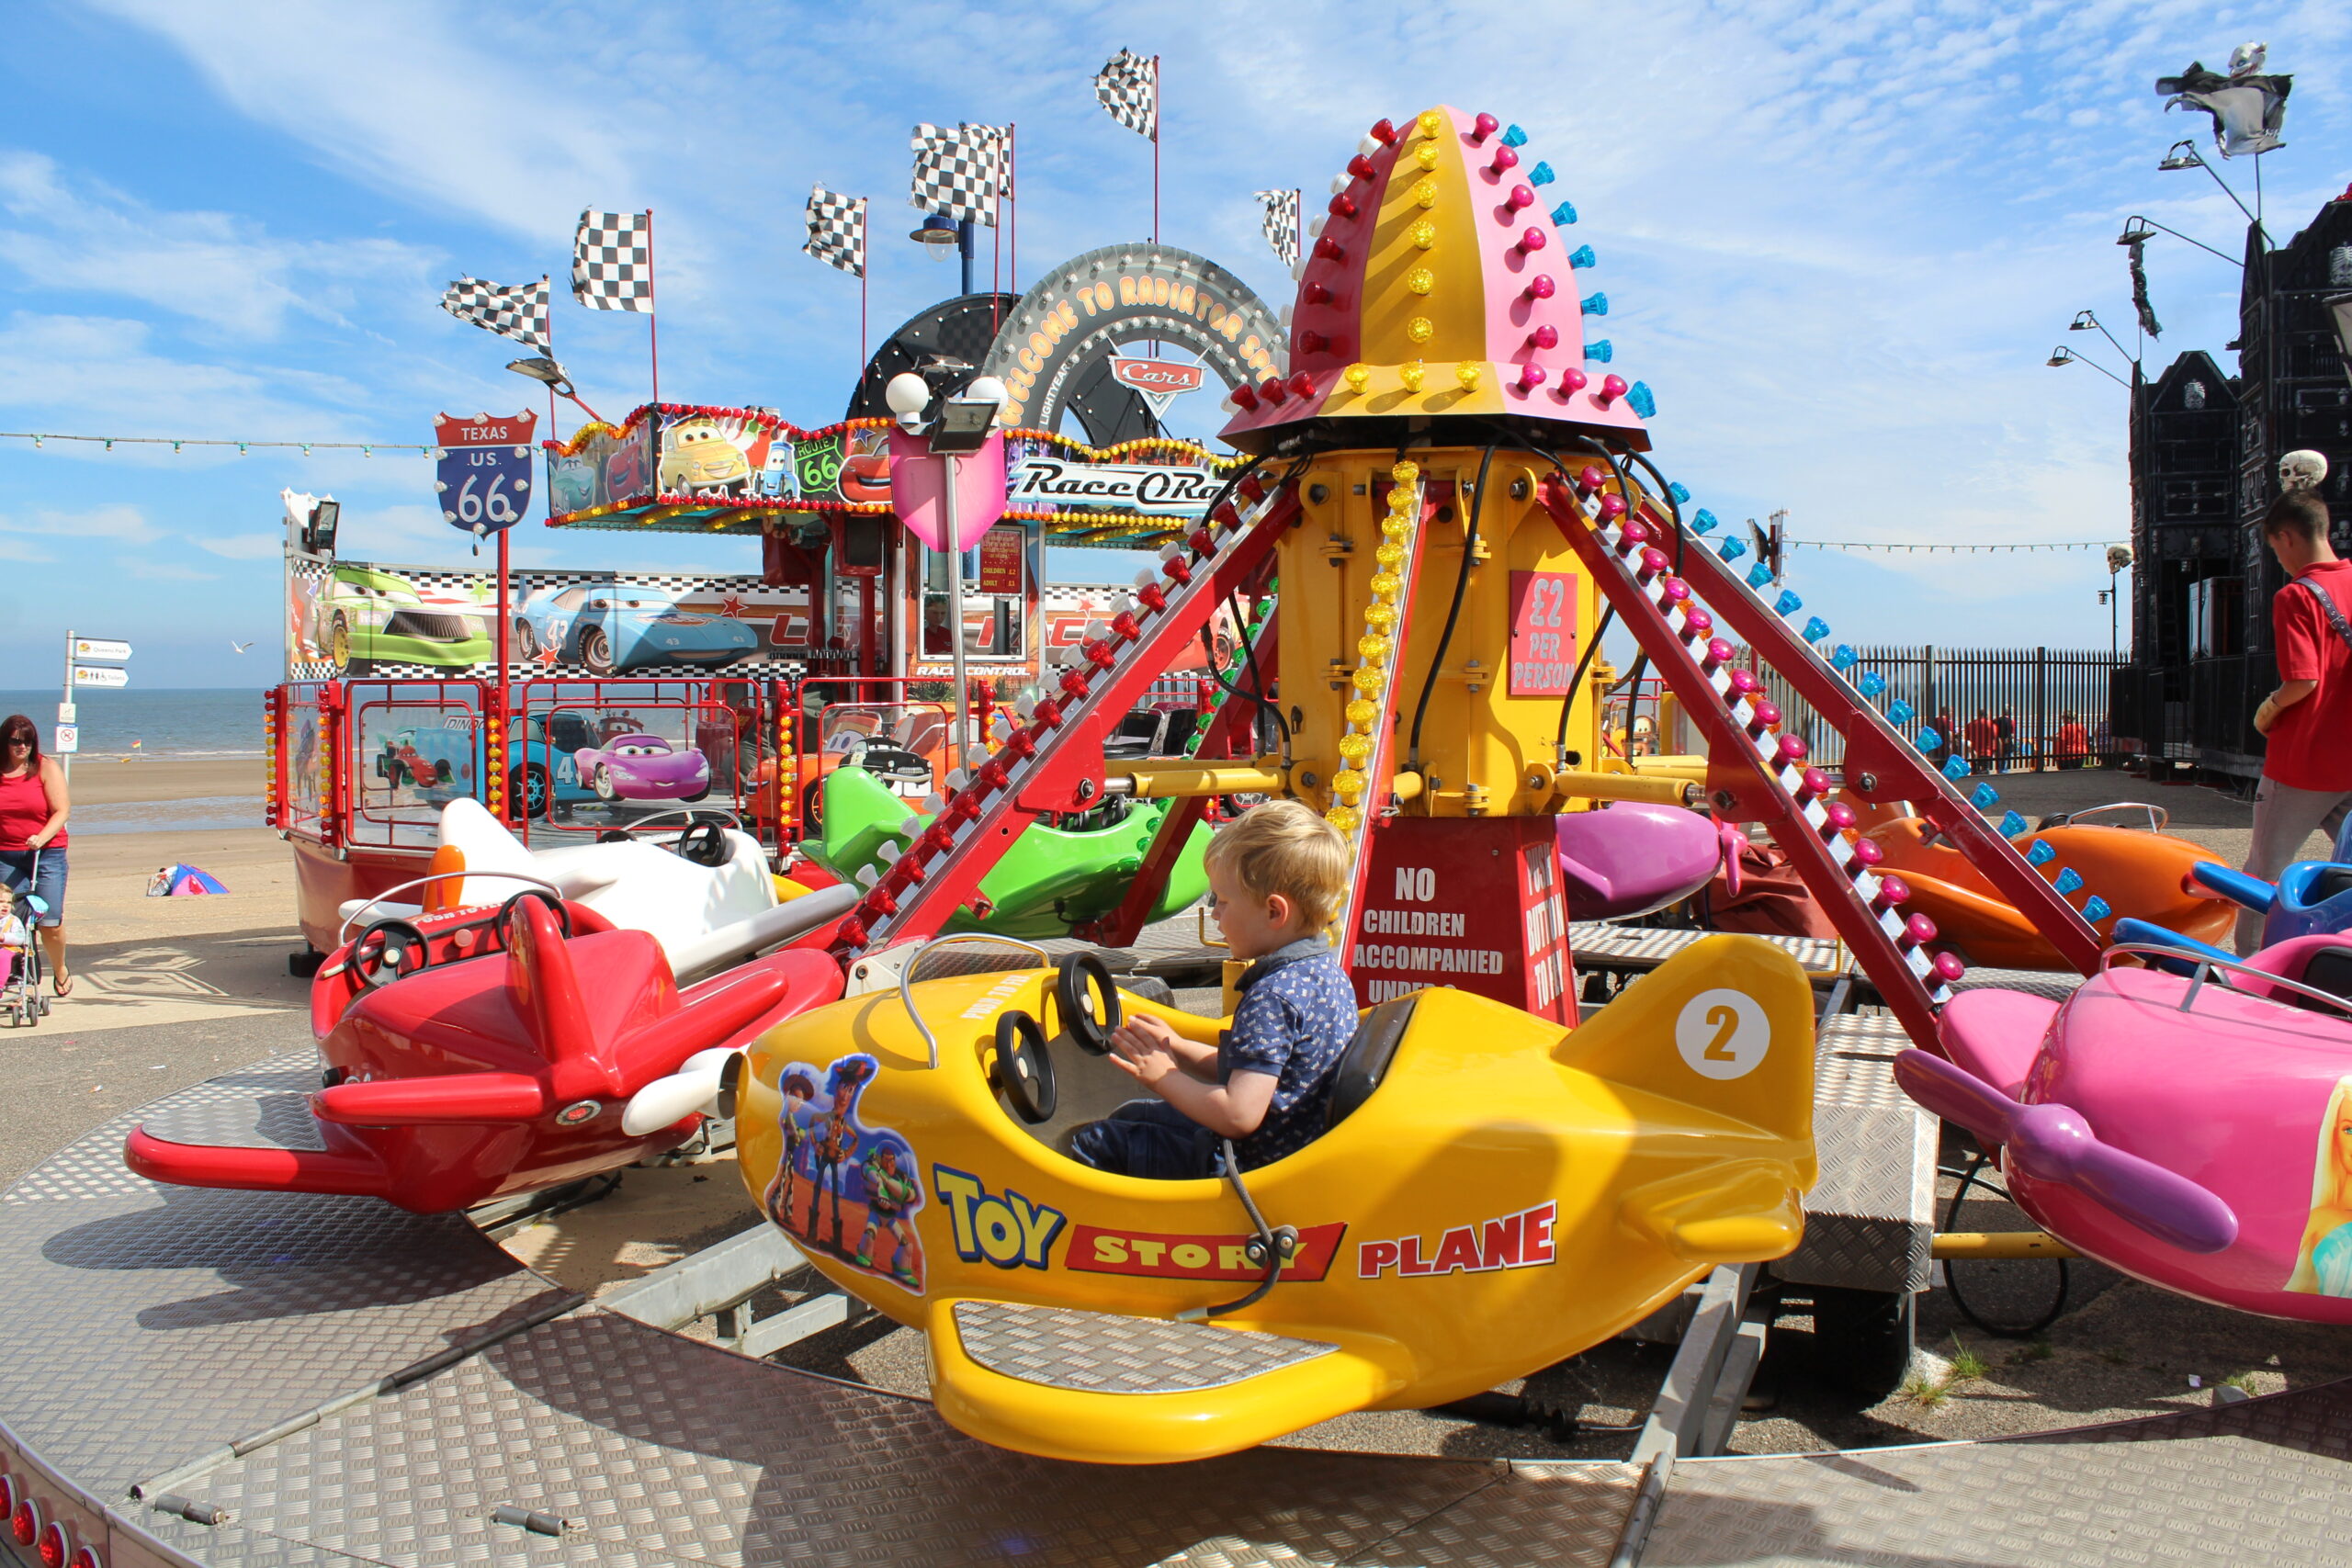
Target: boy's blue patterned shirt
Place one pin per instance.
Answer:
(1296, 1015)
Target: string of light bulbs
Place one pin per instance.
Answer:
(1955, 550)
(365, 448)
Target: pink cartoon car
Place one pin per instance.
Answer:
(635, 766)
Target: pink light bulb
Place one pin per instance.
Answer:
(1533, 240)
(1485, 125)
(1546, 336)
(1520, 196)
(1541, 286)
(1531, 376)
(1505, 160)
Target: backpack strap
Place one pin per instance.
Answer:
(2327, 607)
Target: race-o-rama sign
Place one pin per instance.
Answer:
(1088, 308)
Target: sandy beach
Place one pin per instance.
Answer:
(117, 780)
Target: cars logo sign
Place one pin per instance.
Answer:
(1157, 380)
(1055, 484)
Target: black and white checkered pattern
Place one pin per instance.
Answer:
(519, 311)
(612, 261)
(1128, 85)
(957, 172)
(1281, 223)
(837, 230)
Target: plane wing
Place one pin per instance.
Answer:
(1103, 1388)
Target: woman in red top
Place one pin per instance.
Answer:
(32, 833)
(2074, 742)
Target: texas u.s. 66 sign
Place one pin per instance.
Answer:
(482, 471)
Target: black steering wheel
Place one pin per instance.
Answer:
(506, 912)
(396, 944)
(1086, 1000)
(1023, 1070)
(705, 844)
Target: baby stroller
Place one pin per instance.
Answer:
(21, 968)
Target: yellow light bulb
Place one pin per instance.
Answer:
(1420, 329)
(1431, 122)
(1346, 819)
(1361, 713)
(1410, 374)
(1467, 373)
(1386, 585)
(1405, 473)
(1426, 154)
(1381, 616)
(1357, 376)
(1423, 233)
(1389, 555)
(1347, 785)
(1420, 280)
(1355, 747)
(1425, 193)
(1368, 681)
(1396, 526)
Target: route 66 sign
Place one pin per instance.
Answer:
(482, 471)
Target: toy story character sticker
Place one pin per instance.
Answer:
(2324, 1258)
(842, 1187)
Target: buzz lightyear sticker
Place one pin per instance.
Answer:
(1722, 1033)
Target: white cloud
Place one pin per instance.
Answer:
(126, 524)
(17, 550)
(220, 269)
(163, 571)
(244, 546)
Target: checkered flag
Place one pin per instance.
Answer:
(1128, 85)
(957, 172)
(519, 313)
(612, 261)
(837, 230)
(1281, 223)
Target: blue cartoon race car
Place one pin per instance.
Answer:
(612, 627)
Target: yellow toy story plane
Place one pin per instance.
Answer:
(1493, 1193)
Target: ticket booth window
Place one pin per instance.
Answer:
(996, 591)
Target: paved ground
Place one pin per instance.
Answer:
(191, 1001)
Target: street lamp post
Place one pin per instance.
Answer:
(940, 235)
(2068, 357)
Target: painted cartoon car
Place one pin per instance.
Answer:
(637, 766)
(571, 484)
(1491, 1192)
(436, 763)
(624, 468)
(366, 617)
(698, 459)
(612, 627)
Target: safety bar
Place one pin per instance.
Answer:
(907, 977)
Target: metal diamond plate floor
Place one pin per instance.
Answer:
(1108, 1353)
(144, 1330)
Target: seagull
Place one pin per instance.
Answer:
(236, 647)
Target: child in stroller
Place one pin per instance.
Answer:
(20, 996)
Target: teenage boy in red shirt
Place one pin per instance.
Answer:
(2307, 772)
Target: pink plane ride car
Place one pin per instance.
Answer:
(637, 766)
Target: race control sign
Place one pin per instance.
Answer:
(482, 471)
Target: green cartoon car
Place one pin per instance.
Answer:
(366, 617)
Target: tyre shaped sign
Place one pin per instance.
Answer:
(481, 475)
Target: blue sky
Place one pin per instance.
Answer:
(1838, 240)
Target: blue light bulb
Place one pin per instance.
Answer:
(1929, 739)
(2069, 879)
(1815, 629)
(1730, 548)
(1872, 684)
(1986, 797)
(2096, 908)
(1582, 256)
(1565, 214)
(1787, 603)
(2011, 823)
(1758, 575)
(1681, 496)
(1956, 769)
(1705, 522)
(1594, 304)
(1600, 351)
(2039, 852)
(1514, 137)
(1541, 174)
(1640, 400)
(1900, 712)
(1845, 658)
